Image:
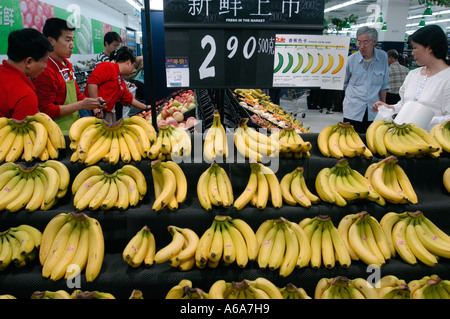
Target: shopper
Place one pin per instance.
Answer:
(428, 85)
(58, 93)
(106, 80)
(111, 43)
(27, 52)
(367, 80)
(325, 100)
(397, 75)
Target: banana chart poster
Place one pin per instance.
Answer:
(310, 61)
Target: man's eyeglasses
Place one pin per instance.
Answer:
(364, 43)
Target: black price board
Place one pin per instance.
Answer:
(231, 43)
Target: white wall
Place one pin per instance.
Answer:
(95, 10)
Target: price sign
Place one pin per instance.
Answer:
(231, 44)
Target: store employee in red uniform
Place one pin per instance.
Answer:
(106, 81)
(28, 52)
(58, 92)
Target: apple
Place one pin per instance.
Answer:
(191, 106)
(165, 113)
(162, 123)
(172, 110)
(178, 116)
(182, 124)
(172, 122)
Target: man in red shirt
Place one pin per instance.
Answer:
(58, 92)
(106, 81)
(28, 52)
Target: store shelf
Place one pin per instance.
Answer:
(120, 279)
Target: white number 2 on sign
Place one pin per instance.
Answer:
(205, 70)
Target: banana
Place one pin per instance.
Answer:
(316, 247)
(112, 196)
(229, 251)
(23, 197)
(357, 241)
(202, 190)
(247, 232)
(322, 285)
(249, 191)
(323, 187)
(84, 175)
(132, 189)
(88, 138)
(123, 200)
(168, 190)
(58, 247)
(343, 227)
(371, 240)
(405, 184)
(204, 244)
(99, 149)
(430, 241)
(182, 185)
(285, 184)
(327, 248)
(96, 249)
(343, 255)
(87, 191)
(292, 251)
(11, 190)
(323, 138)
(333, 144)
(400, 242)
(49, 235)
(133, 245)
(80, 257)
(97, 200)
(171, 249)
(279, 245)
(364, 287)
(380, 186)
(63, 173)
(262, 195)
(142, 249)
(240, 244)
(304, 255)
(274, 186)
(138, 176)
(60, 268)
(213, 189)
(416, 246)
(268, 287)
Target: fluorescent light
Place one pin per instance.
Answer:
(429, 22)
(136, 5)
(342, 5)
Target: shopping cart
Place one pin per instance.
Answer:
(297, 104)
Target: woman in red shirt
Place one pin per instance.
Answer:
(106, 81)
(28, 52)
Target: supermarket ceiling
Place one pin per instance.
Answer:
(363, 9)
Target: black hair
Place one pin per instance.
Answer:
(124, 54)
(111, 36)
(54, 27)
(393, 54)
(434, 37)
(27, 43)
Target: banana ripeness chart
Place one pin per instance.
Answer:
(310, 61)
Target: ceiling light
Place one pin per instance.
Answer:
(384, 27)
(442, 12)
(428, 11)
(422, 22)
(342, 5)
(135, 4)
(380, 18)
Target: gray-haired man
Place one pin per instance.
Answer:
(367, 80)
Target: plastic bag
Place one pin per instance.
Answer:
(384, 113)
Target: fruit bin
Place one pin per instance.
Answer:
(120, 279)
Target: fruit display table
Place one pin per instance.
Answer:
(119, 279)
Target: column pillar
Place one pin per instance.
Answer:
(395, 14)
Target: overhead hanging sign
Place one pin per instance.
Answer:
(231, 43)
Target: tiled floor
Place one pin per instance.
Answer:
(313, 119)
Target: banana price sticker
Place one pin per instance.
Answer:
(310, 61)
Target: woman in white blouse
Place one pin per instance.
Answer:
(428, 85)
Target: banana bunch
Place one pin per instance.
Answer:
(430, 287)
(93, 140)
(19, 246)
(262, 185)
(180, 251)
(7, 296)
(282, 245)
(365, 239)
(415, 238)
(441, 133)
(344, 288)
(71, 243)
(253, 144)
(171, 143)
(391, 287)
(47, 294)
(341, 185)
(260, 288)
(327, 245)
(184, 290)
(226, 241)
(446, 179)
(37, 137)
(215, 146)
(79, 294)
(140, 249)
(291, 144)
(214, 188)
(341, 140)
(387, 138)
(391, 182)
(290, 291)
(95, 189)
(32, 187)
(170, 185)
(136, 294)
(295, 191)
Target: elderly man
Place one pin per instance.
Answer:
(367, 80)
(397, 75)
